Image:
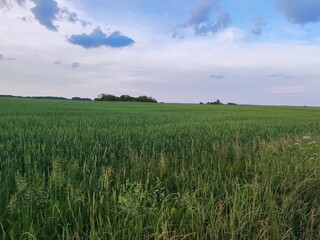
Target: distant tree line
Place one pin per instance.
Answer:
(218, 102)
(81, 99)
(49, 98)
(109, 97)
(124, 98)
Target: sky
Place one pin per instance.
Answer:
(178, 51)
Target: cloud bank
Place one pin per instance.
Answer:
(3, 58)
(258, 24)
(46, 11)
(7, 3)
(200, 19)
(299, 11)
(216, 76)
(98, 38)
(72, 17)
(75, 65)
(280, 76)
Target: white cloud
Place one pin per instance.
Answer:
(231, 35)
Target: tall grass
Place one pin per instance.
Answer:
(90, 170)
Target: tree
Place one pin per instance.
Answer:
(107, 97)
(217, 102)
(124, 98)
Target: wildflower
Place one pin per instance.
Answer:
(306, 137)
(312, 143)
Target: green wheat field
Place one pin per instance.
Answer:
(102, 170)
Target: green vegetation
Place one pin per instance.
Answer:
(113, 170)
(124, 98)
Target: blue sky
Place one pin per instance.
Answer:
(247, 51)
